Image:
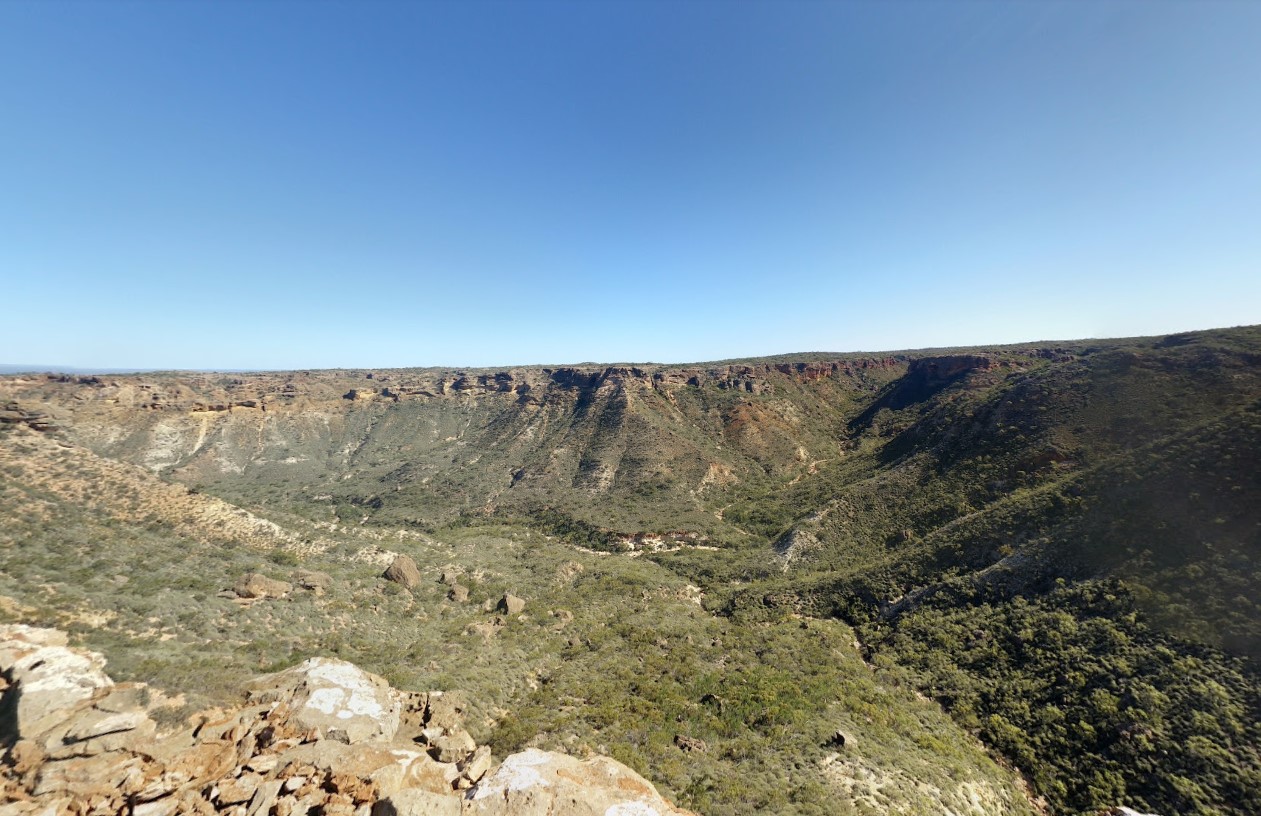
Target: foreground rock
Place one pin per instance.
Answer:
(49, 675)
(343, 701)
(323, 737)
(550, 784)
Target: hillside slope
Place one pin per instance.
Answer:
(1058, 542)
(612, 654)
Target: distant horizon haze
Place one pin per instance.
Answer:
(24, 368)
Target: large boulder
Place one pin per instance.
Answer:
(317, 582)
(550, 784)
(403, 571)
(339, 698)
(453, 747)
(254, 585)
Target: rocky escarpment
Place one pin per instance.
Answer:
(279, 391)
(924, 377)
(323, 737)
(415, 444)
(14, 414)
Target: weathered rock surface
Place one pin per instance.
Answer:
(51, 677)
(548, 784)
(511, 604)
(253, 585)
(323, 737)
(403, 571)
(317, 582)
(339, 698)
(413, 802)
(13, 414)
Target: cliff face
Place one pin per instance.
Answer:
(443, 442)
(289, 390)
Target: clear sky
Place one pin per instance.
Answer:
(321, 184)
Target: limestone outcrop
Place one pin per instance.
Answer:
(940, 369)
(338, 698)
(313, 580)
(280, 392)
(49, 675)
(322, 737)
(542, 783)
(14, 414)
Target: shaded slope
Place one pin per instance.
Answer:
(1068, 556)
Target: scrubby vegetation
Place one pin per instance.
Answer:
(1041, 558)
(1084, 696)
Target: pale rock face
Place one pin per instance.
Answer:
(18, 637)
(412, 802)
(519, 772)
(334, 696)
(631, 809)
(53, 677)
(390, 767)
(542, 782)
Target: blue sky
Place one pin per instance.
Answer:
(291, 185)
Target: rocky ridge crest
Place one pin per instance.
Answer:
(301, 390)
(323, 738)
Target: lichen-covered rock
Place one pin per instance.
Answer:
(549, 784)
(387, 767)
(339, 698)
